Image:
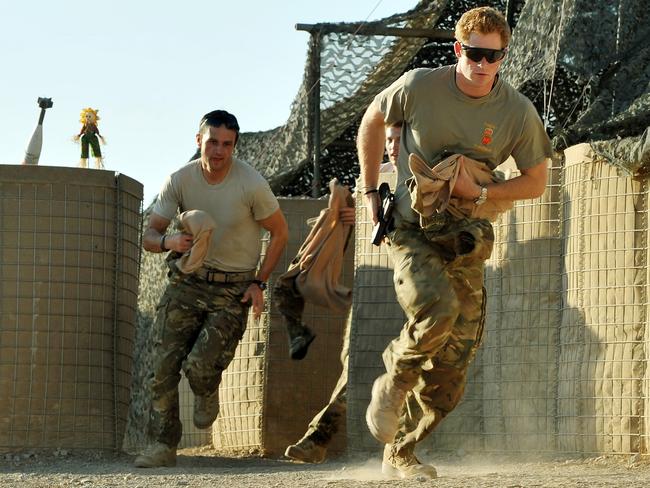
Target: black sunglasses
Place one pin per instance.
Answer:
(476, 54)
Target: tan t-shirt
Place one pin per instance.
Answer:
(236, 204)
(438, 118)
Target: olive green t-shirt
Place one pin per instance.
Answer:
(438, 118)
(236, 205)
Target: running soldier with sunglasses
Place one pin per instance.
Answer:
(438, 262)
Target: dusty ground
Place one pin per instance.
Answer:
(199, 468)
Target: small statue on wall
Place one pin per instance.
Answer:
(90, 138)
(33, 153)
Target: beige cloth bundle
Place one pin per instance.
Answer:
(200, 224)
(431, 188)
(317, 267)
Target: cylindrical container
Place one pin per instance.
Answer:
(69, 265)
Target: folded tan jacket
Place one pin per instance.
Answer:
(431, 188)
(317, 267)
(200, 225)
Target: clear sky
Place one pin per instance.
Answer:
(153, 68)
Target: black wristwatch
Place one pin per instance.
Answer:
(261, 284)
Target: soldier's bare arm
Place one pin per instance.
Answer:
(530, 184)
(152, 240)
(370, 149)
(276, 224)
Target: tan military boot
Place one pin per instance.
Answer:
(404, 464)
(206, 409)
(382, 415)
(307, 451)
(155, 456)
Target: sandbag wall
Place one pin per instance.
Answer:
(70, 249)
(510, 399)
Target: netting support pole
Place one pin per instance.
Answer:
(510, 12)
(314, 112)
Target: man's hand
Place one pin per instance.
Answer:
(180, 242)
(255, 296)
(465, 186)
(346, 215)
(153, 237)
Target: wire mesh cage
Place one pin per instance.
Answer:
(70, 248)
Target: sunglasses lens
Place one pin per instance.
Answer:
(476, 54)
(495, 56)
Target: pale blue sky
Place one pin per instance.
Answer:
(152, 68)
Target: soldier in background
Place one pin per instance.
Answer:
(312, 448)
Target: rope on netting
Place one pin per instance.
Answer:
(547, 106)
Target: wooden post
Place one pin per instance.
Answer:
(314, 113)
(313, 104)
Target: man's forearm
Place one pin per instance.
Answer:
(530, 184)
(370, 147)
(151, 240)
(518, 188)
(272, 257)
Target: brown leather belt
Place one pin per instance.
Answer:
(216, 276)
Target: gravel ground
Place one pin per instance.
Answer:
(201, 468)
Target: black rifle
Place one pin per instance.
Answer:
(384, 214)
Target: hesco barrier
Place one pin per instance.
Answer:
(563, 368)
(70, 249)
(266, 399)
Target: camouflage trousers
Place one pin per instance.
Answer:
(327, 422)
(197, 328)
(291, 305)
(438, 278)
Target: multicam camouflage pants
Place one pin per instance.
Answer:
(198, 326)
(291, 305)
(327, 422)
(438, 278)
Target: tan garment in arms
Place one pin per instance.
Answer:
(431, 188)
(200, 225)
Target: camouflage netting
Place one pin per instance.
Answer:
(584, 64)
(586, 67)
(353, 69)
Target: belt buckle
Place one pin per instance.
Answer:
(210, 276)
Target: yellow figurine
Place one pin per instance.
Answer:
(90, 136)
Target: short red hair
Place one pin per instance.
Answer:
(483, 20)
